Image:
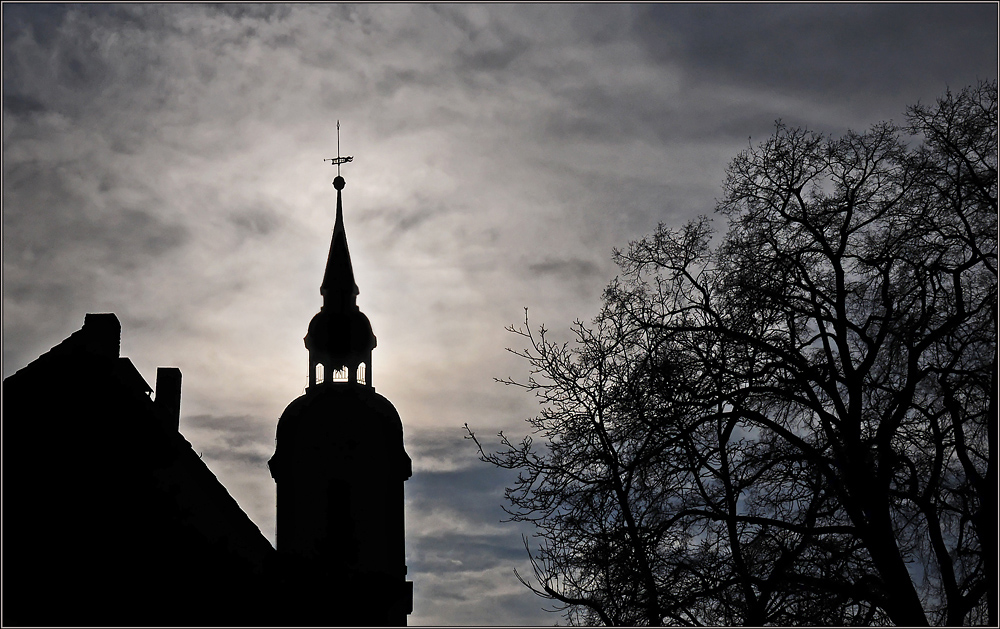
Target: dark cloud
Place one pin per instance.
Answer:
(21, 105)
(41, 21)
(476, 601)
(567, 270)
(475, 492)
(238, 430)
(228, 439)
(35, 319)
(600, 23)
(495, 59)
(487, 47)
(615, 114)
(52, 295)
(391, 80)
(447, 445)
(465, 571)
(252, 460)
(251, 11)
(53, 62)
(455, 552)
(141, 234)
(852, 51)
(392, 222)
(126, 71)
(495, 55)
(51, 213)
(64, 237)
(255, 222)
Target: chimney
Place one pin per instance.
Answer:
(168, 395)
(103, 334)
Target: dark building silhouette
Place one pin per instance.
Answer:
(110, 518)
(339, 465)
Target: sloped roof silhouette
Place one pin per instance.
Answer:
(110, 516)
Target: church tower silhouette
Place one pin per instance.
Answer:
(339, 465)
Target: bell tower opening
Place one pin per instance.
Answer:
(339, 375)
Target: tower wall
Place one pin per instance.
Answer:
(339, 466)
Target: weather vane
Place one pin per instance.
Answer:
(339, 160)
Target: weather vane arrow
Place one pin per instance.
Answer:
(339, 160)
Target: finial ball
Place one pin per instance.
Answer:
(339, 182)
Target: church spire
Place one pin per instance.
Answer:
(340, 339)
(339, 289)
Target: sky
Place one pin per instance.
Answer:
(165, 162)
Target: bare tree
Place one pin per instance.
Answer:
(798, 424)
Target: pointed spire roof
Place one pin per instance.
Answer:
(340, 335)
(339, 289)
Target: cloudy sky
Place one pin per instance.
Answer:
(165, 163)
